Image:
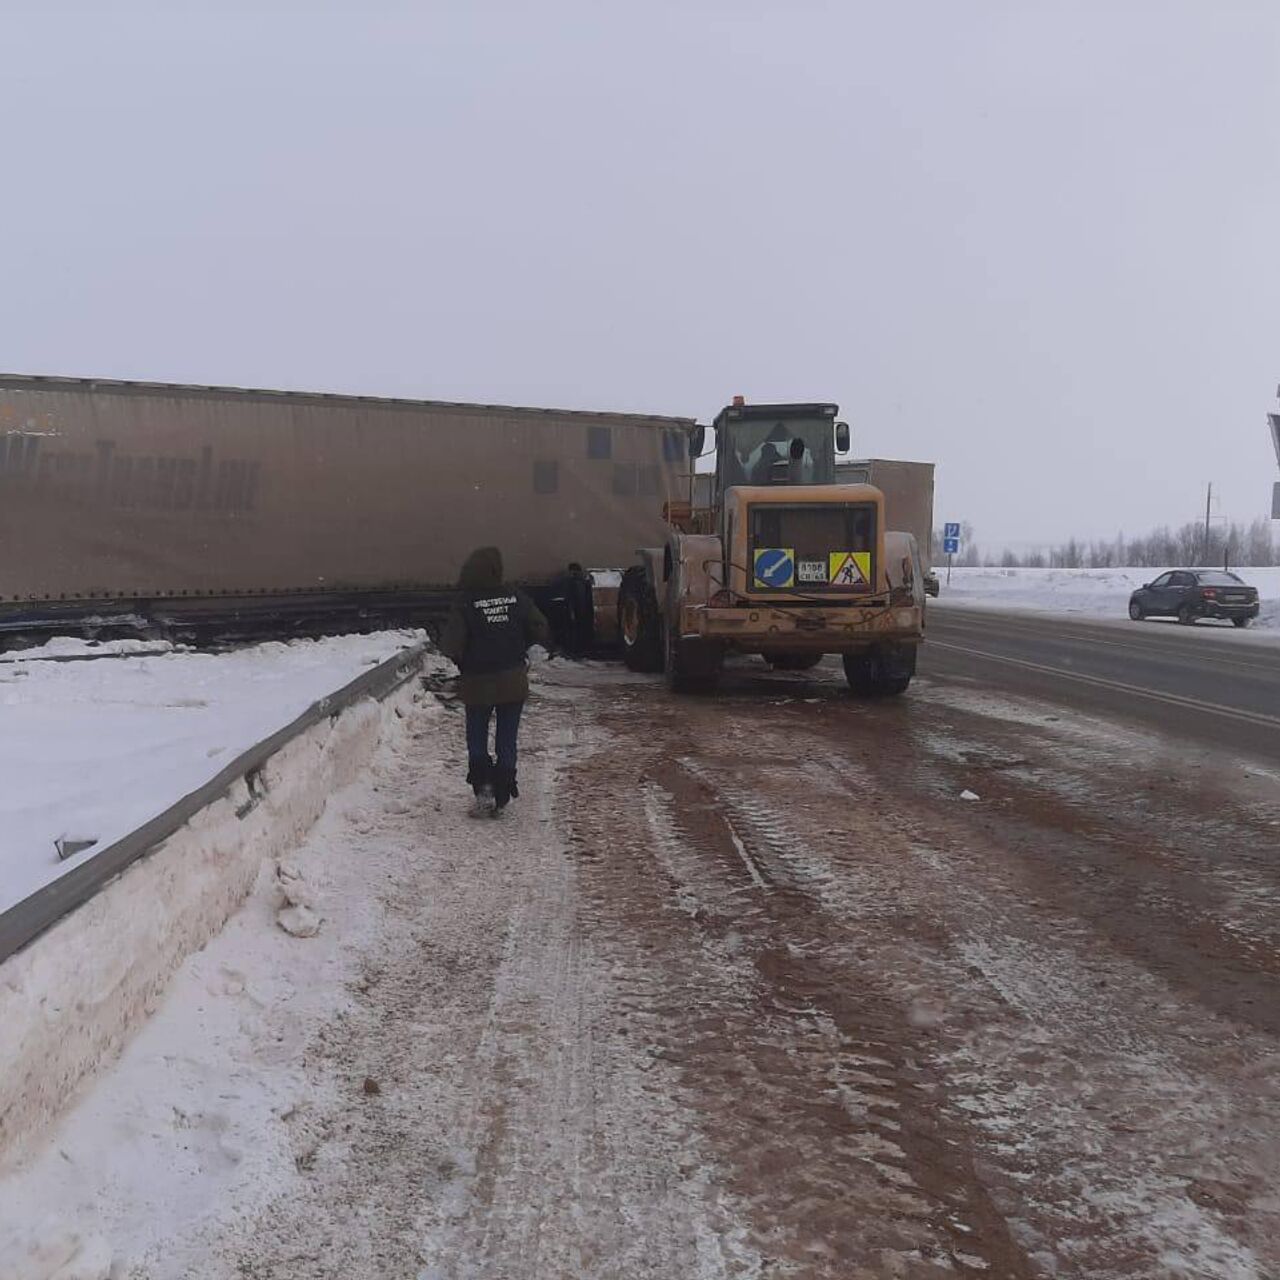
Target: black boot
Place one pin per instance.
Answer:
(504, 788)
(480, 777)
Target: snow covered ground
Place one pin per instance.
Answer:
(337, 1105)
(1094, 593)
(114, 1170)
(91, 749)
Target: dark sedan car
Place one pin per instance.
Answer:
(1190, 594)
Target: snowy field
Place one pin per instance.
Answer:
(1093, 593)
(91, 749)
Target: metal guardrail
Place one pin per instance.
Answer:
(16, 657)
(27, 920)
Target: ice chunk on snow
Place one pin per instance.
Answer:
(294, 890)
(301, 922)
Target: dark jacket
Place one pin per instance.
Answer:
(489, 631)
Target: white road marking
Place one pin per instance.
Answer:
(1153, 650)
(1174, 699)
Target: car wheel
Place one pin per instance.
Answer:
(1186, 615)
(1136, 611)
(1241, 622)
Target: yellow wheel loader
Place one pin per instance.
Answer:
(782, 562)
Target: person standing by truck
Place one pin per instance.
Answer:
(488, 633)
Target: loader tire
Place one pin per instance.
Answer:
(882, 672)
(692, 666)
(639, 623)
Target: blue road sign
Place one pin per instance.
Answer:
(950, 545)
(952, 531)
(775, 567)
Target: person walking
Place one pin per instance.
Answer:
(488, 633)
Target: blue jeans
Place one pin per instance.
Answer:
(504, 737)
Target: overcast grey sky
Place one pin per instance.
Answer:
(1035, 242)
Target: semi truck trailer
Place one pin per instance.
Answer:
(211, 511)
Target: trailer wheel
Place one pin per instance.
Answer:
(692, 666)
(882, 672)
(639, 626)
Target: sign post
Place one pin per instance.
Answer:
(1273, 421)
(950, 544)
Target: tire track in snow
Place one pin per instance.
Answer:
(1100, 1196)
(820, 1093)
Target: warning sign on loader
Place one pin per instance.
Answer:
(850, 569)
(775, 567)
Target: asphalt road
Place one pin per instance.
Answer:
(1208, 683)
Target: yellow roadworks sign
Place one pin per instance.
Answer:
(850, 569)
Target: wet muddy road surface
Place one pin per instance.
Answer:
(954, 983)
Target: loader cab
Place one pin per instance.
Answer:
(784, 523)
(774, 444)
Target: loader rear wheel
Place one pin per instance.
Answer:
(692, 666)
(882, 672)
(639, 625)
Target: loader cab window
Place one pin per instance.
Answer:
(793, 451)
(816, 529)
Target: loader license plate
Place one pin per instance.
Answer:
(811, 571)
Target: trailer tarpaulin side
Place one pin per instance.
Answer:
(120, 490)
(908, 495)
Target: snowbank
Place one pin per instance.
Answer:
(1094, 593)
(72, 648)
(70, 1000)
(90, 750)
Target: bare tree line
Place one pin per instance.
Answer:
(1231, 543)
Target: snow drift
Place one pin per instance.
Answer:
(70, 1000)
(1087, 593)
